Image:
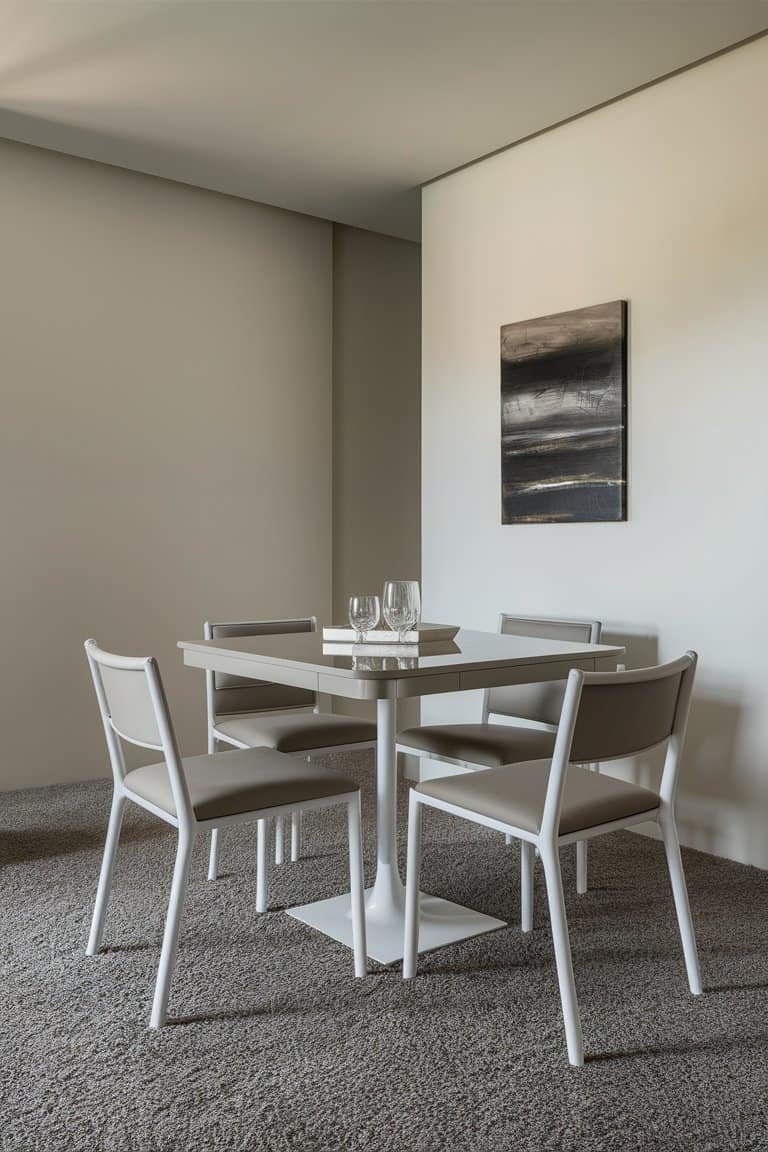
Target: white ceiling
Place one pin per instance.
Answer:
(338, 108)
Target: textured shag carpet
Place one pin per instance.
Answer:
(276, 1047)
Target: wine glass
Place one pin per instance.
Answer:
(364, 613)
(416, 594)
(400, 606)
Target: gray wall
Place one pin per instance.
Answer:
(167, 374)
(376, 417)
(166, 438)
(376, 421)
(659, 199)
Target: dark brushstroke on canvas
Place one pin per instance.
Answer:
(563, 417)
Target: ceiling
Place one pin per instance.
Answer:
(337, 108)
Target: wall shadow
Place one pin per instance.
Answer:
(642, 648)
(710, 776)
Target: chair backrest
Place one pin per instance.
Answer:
(541, 702)
(227, 694)
(134, 709)
(612, 715)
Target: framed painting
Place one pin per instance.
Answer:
(564, 417)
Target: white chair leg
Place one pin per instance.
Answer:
(508, 839)
(172, 925)
(213, 858)
(573, 1037)
(105, 876)
(582, 854)
(682, 907)
(295, 837)
(581, 867)
(412, 879)
(357, 895)
(279, 853)
(261, 865)
(526, 886)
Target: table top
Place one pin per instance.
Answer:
(301, 654)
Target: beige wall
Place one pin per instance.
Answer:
(659, 199)
(165, 448)
(178, 368)
(376, 419)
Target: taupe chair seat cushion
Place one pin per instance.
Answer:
(298, 733)
(243, 780)
(488, 744)
(514, 794)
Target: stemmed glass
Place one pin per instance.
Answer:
(401, 606)
(416, 594)
(364, 613)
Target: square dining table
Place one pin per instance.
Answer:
(473, 660)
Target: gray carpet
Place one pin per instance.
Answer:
(277, 1047)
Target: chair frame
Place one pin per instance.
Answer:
(548, 841)
(188, 826)
(593, 628)
(216, 736)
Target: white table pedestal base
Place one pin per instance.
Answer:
(442, 922)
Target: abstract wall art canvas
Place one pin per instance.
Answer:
(564, 417)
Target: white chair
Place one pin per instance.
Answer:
(256, 713)
(530, 714)
(199, 793)
(605, 716)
